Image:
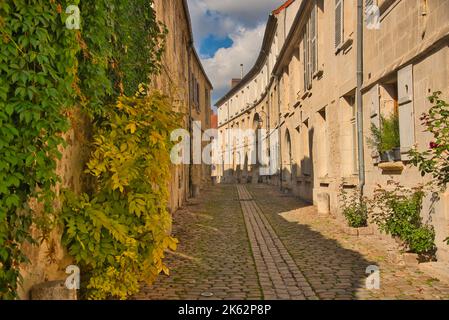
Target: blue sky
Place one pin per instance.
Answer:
(228, 33)
(211, 44)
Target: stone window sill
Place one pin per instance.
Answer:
(305, 95)
(324, 180)
(318, 74)
(392, 167)
(351, 181)
(345, 45)
(304, 179)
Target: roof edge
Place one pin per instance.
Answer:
(283, 7)
(192, 46)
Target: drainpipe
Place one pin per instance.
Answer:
(361, 151)
(269, 135)
(229, 143)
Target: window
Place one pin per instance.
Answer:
(207, 106)
(192, 90)
(395, 97)
(310, 47)
(306, 162)
(198, 108)
(322, 143)
(314, 40)
(339, 23)
(305, 40)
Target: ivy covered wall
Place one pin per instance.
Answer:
(59, 88)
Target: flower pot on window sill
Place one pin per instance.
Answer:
(397, 154)
(387, 156)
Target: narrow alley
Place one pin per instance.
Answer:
(254, 242)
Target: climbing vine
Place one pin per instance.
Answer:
(118, 232)
(37, 74)
(121, 46)
(45, 71)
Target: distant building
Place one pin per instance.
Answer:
(184, 79)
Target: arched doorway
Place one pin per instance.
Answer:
(288, 170)
(245, 169)
(257, 123)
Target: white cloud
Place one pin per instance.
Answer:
(241, 20)
(225, 64)
(222, 17)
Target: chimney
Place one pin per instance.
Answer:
(235, 82)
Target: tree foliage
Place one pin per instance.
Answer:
(37, 78)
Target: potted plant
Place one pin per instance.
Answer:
(386, 139)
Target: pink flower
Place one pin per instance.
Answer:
(433, 145)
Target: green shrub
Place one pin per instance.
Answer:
(354, 208)
(435, 160)
(398, 213)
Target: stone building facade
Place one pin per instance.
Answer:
(304, 86)
(184, 79)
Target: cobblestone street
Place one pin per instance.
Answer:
(253, 242)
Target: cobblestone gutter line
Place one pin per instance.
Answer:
(279, 276)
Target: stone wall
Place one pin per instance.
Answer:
(49, 260)
(182, 70)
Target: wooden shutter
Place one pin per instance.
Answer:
(339, 23)
(406, 108)
(374, 104)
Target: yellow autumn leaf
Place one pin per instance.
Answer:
(166, 270)
(131, 127)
